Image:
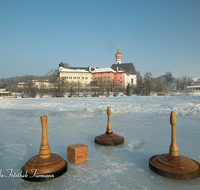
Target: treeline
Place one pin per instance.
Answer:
(166, 83)
(10, 84)
(146, 85)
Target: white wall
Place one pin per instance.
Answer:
(128, 79)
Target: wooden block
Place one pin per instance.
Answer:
(77, 153)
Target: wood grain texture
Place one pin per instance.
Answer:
(109, 138)
(44, 148)
(77, 153)
(173, 149)
(45, 163)
(109, 128)
(44, 166)
(173, 165)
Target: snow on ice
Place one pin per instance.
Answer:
(143, 121)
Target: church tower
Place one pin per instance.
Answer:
(118, 56)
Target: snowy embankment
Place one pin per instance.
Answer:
(183, 105)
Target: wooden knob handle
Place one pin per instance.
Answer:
(109, 128)
(173, 119)
(173, 149)
(44, 148)
(108, 110)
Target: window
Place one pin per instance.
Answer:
(86, 78)
(108, 76)
(120, 77)
(78, 77)
(105, 77)
(70, 77)
(132, 81)
(82, 77)
(74, 77)
(66, 77)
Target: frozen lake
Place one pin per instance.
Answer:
(142, 121)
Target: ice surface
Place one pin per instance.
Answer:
(142, 121)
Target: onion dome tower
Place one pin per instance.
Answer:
(109, 138)
(173, 165)
(118, 56)
(46, 165)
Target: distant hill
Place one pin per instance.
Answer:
(15, 80)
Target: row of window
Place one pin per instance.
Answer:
(101, 77)
(75, 77)
(75, 82)
(94, 78)
(104, 78)
(110, 82)
(109, 73)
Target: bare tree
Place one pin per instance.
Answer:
(183, 82)
(160, 85)
(139, 88)
(29, 89)
(51, 75)
(149, 86)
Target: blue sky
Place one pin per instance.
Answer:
(155, 35)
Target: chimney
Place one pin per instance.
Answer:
(89, 69)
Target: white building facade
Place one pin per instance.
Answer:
(78, 75)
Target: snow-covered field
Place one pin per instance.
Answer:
(142, 121)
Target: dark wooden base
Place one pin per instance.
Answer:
(175, 167)
(109, 139)
(37, 169)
